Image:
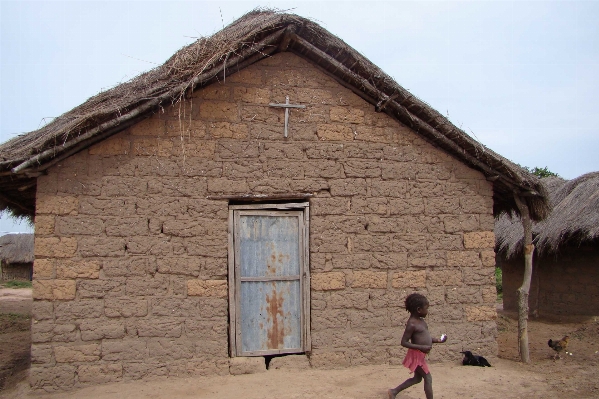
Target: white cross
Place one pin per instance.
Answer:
(286, 106)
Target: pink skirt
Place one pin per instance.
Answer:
(415, 358)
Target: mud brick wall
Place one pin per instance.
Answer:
(131, 254)
(561, 285)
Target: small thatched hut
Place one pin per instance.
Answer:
(16, 257)
(266, 191)
(565, 277)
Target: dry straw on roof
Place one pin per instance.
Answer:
(573, 221)
(16, 248)
(251, 38)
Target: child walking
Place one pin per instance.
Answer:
(419, 342)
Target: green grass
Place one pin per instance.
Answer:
(14, 316)
(499, 283)
(17, 284)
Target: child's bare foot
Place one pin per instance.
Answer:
(391, 394)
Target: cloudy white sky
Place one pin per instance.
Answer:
(519, 76)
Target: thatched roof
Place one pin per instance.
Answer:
(16, 248)
(251, 38)
(574, 219)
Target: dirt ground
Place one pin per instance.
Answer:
(573, 376)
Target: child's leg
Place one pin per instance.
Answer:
(428, 385)
(418, 375)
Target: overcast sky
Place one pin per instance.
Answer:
(520, 77)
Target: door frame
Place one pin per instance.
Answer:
(234, 282)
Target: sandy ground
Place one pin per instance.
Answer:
(575, 376)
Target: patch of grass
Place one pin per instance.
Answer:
(14, 322)
(14, 316)
(17, 284)
(499, 283)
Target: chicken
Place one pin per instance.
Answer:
(474, 360)
(559, 346)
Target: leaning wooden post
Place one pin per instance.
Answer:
(523, 291)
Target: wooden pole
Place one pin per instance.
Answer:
(523, 291)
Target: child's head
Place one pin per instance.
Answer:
(416, 301)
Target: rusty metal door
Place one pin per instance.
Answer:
(269, 252)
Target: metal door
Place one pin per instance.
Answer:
(269, 252)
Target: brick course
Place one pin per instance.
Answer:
(131, 252)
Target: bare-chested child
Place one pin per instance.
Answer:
(419, 342)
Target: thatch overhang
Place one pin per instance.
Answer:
(16, 248)
(256, 35)
(573, 221)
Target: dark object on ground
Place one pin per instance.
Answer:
(559, 346)
(474, 360)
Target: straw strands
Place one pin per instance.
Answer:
(16, 248)
(255, 36)
(574, 220)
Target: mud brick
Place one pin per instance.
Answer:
(44, 225)
(219, 110)
(334, 132)
(70, 310)
(167, 350)
(54, 289)
(125, 307)
(130, 266)
(482, 239)
(56, 204)
(55, 247)
(100, 374)
(77, 353)
(330, 206)
(77, 269)
(101, 288)
(188, 266)
(44, 269)
(336, 318)
(159, 327)
(42, 310)
(252, 95)
(348, 187)
(346, 114)
(49, 331)
(207, 288)
(115, 145)
(125, 227)
(323, 169)
(100, 246)
(125, 349)
(148, 127)
(368, 279)
(481, 313)
(147, 286)
(463, 258)
(378, 206)
(444, 277)
(413, 279)
(42, 354)
(461, 223)
(106, 207)
(476, 204)
(100, 328)
(52, 378)
(375, 134)
(327, 281)
(331, 151)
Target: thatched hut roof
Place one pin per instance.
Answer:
(254, 36)
(574, 219)
(16, 248)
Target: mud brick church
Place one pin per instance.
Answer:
(266, 191)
